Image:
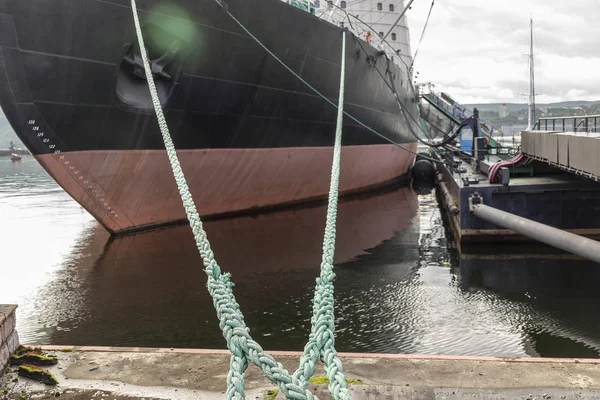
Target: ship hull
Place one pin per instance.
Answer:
(131, 190)
(250, 134)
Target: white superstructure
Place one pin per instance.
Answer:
(370, 20)
(380, 15)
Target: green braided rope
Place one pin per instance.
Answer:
(241, 345)
(322, 326)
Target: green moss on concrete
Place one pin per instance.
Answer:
(32, 356)
(315, 380)
(323, 380)
(38, 374)
(319, 380)
(33, 359)
(31, 350)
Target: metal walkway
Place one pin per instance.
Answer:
(452, 110)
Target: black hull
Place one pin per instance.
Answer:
(64, 76)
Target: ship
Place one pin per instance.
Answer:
(249, 134)
(12, 150)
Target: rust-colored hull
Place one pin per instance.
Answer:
(135, 189)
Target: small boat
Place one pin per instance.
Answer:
(15, 157)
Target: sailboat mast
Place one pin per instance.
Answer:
(531, 114)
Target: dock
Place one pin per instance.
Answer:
(109, 373)
(168, 373)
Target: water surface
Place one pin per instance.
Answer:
(399, 289)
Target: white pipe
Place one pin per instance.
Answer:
(567, 241)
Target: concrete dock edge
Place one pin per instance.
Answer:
(201, 373)
(9, 339)
(183, 373)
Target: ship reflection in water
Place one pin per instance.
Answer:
(398, 288)
(149, 289)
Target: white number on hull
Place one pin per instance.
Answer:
(77, 174)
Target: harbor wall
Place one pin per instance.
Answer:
(9, 339)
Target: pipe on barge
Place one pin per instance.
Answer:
(560, 239)
(449, 200)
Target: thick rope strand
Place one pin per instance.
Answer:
(321, 336)
(231, 319)
(241, 345)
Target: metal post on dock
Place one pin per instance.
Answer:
(554, 237)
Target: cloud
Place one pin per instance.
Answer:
(477, 50)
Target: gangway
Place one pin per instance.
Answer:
(454, 111)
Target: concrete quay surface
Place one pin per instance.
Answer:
(105, 373)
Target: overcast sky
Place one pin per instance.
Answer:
(476, 50)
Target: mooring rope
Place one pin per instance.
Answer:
(225, 7)
(241, 345)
